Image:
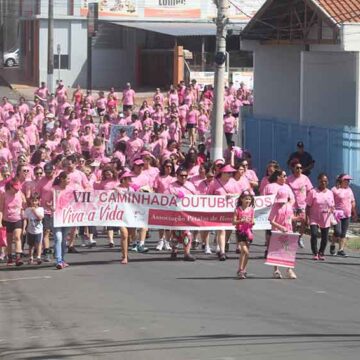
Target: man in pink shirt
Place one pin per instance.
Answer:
(42, 93)
(128, 98)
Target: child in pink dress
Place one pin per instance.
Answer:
(244, 221)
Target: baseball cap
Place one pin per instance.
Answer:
(300, 144)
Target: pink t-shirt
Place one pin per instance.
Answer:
(343, 198)
(191, 117)
(282, 214)
(162, 183)
(300, 186)
(44, 187)
(128, 97)
(176, 188)
(229, 124)
(13, 206)
(106, 185)
(78, 180)
(321, 204)
(247, 215)
(203, 122)
(218, 187)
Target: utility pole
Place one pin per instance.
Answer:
(50, 63)
(217, 133)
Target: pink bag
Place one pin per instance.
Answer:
(3, 239)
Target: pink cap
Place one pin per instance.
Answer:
(138, 162)
(127, 174)
(147, 153)
(282, 196)
(227, 169)
(219, 161)
(346, 177)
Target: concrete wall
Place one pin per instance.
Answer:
(329, 88)
(71, 35)
(277, 82)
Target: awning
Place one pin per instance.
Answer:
(177, 28)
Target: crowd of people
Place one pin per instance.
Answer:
(64, 142)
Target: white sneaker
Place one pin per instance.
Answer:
(167, 245)
(160, 245)
(217, 249)
(208, 250)
(83, 242)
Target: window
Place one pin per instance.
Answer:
(64, 61)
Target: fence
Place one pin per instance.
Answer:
(335, 150)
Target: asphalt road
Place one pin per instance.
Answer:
(154, 308)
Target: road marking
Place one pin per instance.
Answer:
(320, 292)
(26, 278)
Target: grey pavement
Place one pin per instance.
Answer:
(155, 308)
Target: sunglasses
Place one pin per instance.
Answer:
(183, 175)
(168, 166)
(38, 173)
(25, 170)
(298, 167)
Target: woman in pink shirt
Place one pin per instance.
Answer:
(173, 97)
(203, 124)
(242, 180)
(162, 182)
(12, 205)
(270, 168)
(230, 126)
(223, 184)
(320, 207)
(192, 123)
(344, 204)
(158, 97)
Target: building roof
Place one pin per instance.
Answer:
(341, 11)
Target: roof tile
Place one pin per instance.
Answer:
(342, 10)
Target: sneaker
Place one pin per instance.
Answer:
(217, 249)
(321, 257)
(342, 253)
(167, 246)
(301, 242)
(241, 275)
(65, 264)
(332, 250)
(47, 258)
(111, 245)
(290, 274)
(83, 243)
(189, 258)
(142, 249)
(160, 245)
(10, 261)
(38, 261)
(72, 250)
(134, 247)
(208, 250)
(277, 274)
(222, 257)
(316, 257)
(19, 262)
(91, 244)
(59, 266)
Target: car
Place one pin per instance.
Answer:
(11, 58)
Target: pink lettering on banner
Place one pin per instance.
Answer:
(183, 218)
(282, 249)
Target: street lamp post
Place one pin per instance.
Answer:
(217, 132)
(58, 49)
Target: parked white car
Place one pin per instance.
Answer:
(11, 58)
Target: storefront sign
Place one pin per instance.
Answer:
(172, 8)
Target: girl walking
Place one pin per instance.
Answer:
(244, 221)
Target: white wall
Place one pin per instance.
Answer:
(351, 37)
(72, 35)
(277, 82)
(329, 88)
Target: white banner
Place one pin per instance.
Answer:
(155, 211)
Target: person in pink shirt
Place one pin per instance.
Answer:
(44, 187)
(203, 124)
(128, 98)
(320, 206)
(6, 106)
(241, 179)
(73, 142)
(101, 103)
(86, 142)
(150, 169)
(42, 93)
(119, 152)
(230, 126)
(345, 205)
(52, 104)
(19, 144)
(140, 182)
(281, 218)
(158, 98)
(173, 97)
(23, 106)
(192, 118)
(5, 135)
(61, 92)
(108, 182)
(157, 117)
(270, 168)
(180, 188)
(31, 133)
(134, 146)
(250, 174)
(144, 107)
(161, 183)
(5, 155)
(223, 184)
(300, 184)
(12, 205)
